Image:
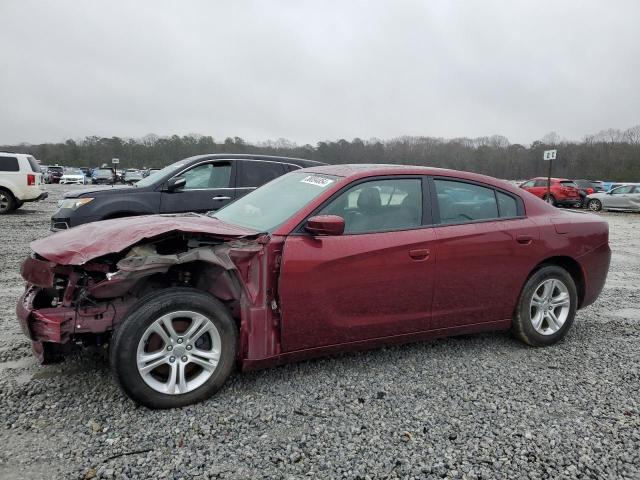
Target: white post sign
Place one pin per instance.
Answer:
(549, 155)
(117, 160)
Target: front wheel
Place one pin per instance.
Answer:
(546, 308)
(550, 200)
(175, 347)
(594, 205)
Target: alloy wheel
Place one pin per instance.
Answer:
(178, 352)
(550, 306)
(594, 205)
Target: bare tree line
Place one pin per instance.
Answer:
(608, 155)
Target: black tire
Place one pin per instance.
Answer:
(7, 202)
(124, 344)
(594, 205)
(522, 326)
(550, 199)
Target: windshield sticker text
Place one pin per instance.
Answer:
(317, 181)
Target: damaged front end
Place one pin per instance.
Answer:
(68, 304)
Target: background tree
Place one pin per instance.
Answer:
(608, 155)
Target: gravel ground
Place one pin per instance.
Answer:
(482, 406)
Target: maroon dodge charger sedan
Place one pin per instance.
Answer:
(322, 260)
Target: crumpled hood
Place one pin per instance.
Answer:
(81, 244)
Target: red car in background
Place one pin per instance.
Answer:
(321, 260)
(564, 192)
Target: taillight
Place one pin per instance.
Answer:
(590, 191)
(31, 179)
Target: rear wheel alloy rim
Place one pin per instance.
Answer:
(593, 205)
(550, 305)
(4, 202)
(178, 352)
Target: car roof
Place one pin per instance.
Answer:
(301, 162)
(355, 171)
(556, 179)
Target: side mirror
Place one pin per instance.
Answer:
(175, 183)
(325, 225)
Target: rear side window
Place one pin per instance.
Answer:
(254, 174)
(9, 164)
(34, 164)
(507, 205)
(461, 202)
(568, 183)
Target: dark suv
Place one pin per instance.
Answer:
(195, 184)
(55, 173)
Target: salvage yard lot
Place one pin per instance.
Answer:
(465, 407)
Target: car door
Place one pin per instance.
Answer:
(483, 252)
(373, 281)
(619, 197)
(208, 187)
(634, 198)
(540, 188)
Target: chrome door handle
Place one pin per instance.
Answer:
(221, 198)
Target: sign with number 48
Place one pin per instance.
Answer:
(549, 155)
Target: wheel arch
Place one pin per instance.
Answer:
(574, 269)
(224, 285)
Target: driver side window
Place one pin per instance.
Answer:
(208, 175)
(379, 205)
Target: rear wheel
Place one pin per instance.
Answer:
(176, 347)
(7, 202)
(546, 308)
(594, 205)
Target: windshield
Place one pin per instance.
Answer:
(159, 174)
(103, 173)
(73, 171)
(272, 204)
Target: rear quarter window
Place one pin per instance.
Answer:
(9, 164)
(507, 205)
(257, 173)
(33, 163)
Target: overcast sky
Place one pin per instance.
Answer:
(311, 71)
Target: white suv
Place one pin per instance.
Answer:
(20, 181)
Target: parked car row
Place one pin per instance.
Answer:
(592, 194)
(96, 176)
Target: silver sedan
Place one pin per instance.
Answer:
(626, 197)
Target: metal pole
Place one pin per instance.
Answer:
(549, 180)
